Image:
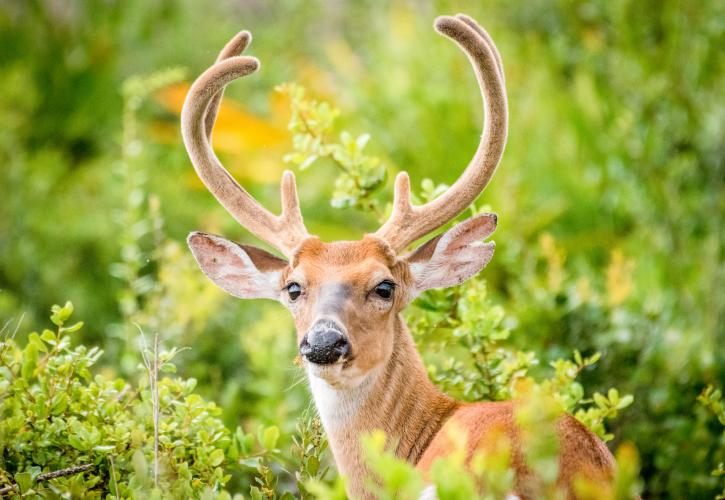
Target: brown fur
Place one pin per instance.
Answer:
(581, 455)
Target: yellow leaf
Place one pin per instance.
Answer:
(619, 277)
(236, 129)
(251, 146)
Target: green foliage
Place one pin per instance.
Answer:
(310, 446)
(609, 200)
(711, 399)
(311, 122)
(57, 415)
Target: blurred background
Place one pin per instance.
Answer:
(609, 196)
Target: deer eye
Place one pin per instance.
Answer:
(294, 290)
(385, 289)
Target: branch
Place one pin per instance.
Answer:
(70, 471)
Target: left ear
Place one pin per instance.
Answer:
(454, 256)
(241, 270)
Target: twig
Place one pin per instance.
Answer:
(152, 366)
(70, 471)
(17, 327)
(156, 409)
(64, 472)
(5, 326)
(113, 471)
(123, 392)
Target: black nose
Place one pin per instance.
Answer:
(324, 347)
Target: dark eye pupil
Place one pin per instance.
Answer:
(385, 289)
(294, 290)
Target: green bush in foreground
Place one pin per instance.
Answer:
(55, 415)
(67, 432)
(711, 398)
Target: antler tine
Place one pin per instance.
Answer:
(285, 231)
(407, 222)
(489, 42)
(234, 47)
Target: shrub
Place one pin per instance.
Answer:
(97, 434)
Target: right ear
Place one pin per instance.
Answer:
(454, 256)
(244, 271)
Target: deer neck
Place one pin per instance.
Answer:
(397, 398)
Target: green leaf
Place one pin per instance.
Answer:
(24, 481)
(593, 358)
(30, 361)
(252, 462)
(73, 328)
(59, 403)
(308, 162)
(49, 337)
(255, 493)
(270, 437)
(625, 401)
(77, 443)
(34, 339)
(216, 457)
(140, 466)
(168, 368)
(104, 448)
(61, 314)
(362, 141)
(601, 401)
(613, 396)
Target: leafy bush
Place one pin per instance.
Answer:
(56, 415)
(711, 399)
(609, 197)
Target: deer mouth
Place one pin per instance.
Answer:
(342, 375)
(330, 373)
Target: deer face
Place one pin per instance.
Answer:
(345, 296)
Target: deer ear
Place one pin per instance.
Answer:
(243, 271)
(454, 256)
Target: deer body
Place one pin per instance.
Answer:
(346, 297)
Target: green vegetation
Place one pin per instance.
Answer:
(608, 269)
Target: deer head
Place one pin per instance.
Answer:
(345, 296)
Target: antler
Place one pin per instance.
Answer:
(284, 232)
(407, 223)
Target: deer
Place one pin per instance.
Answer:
(346, 297)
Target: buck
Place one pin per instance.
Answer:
(346, 296)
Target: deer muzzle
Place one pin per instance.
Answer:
(325, 343)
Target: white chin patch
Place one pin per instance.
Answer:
(336, 375)
(338, 392)
(332, 373)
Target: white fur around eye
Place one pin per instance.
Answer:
(378, 303)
